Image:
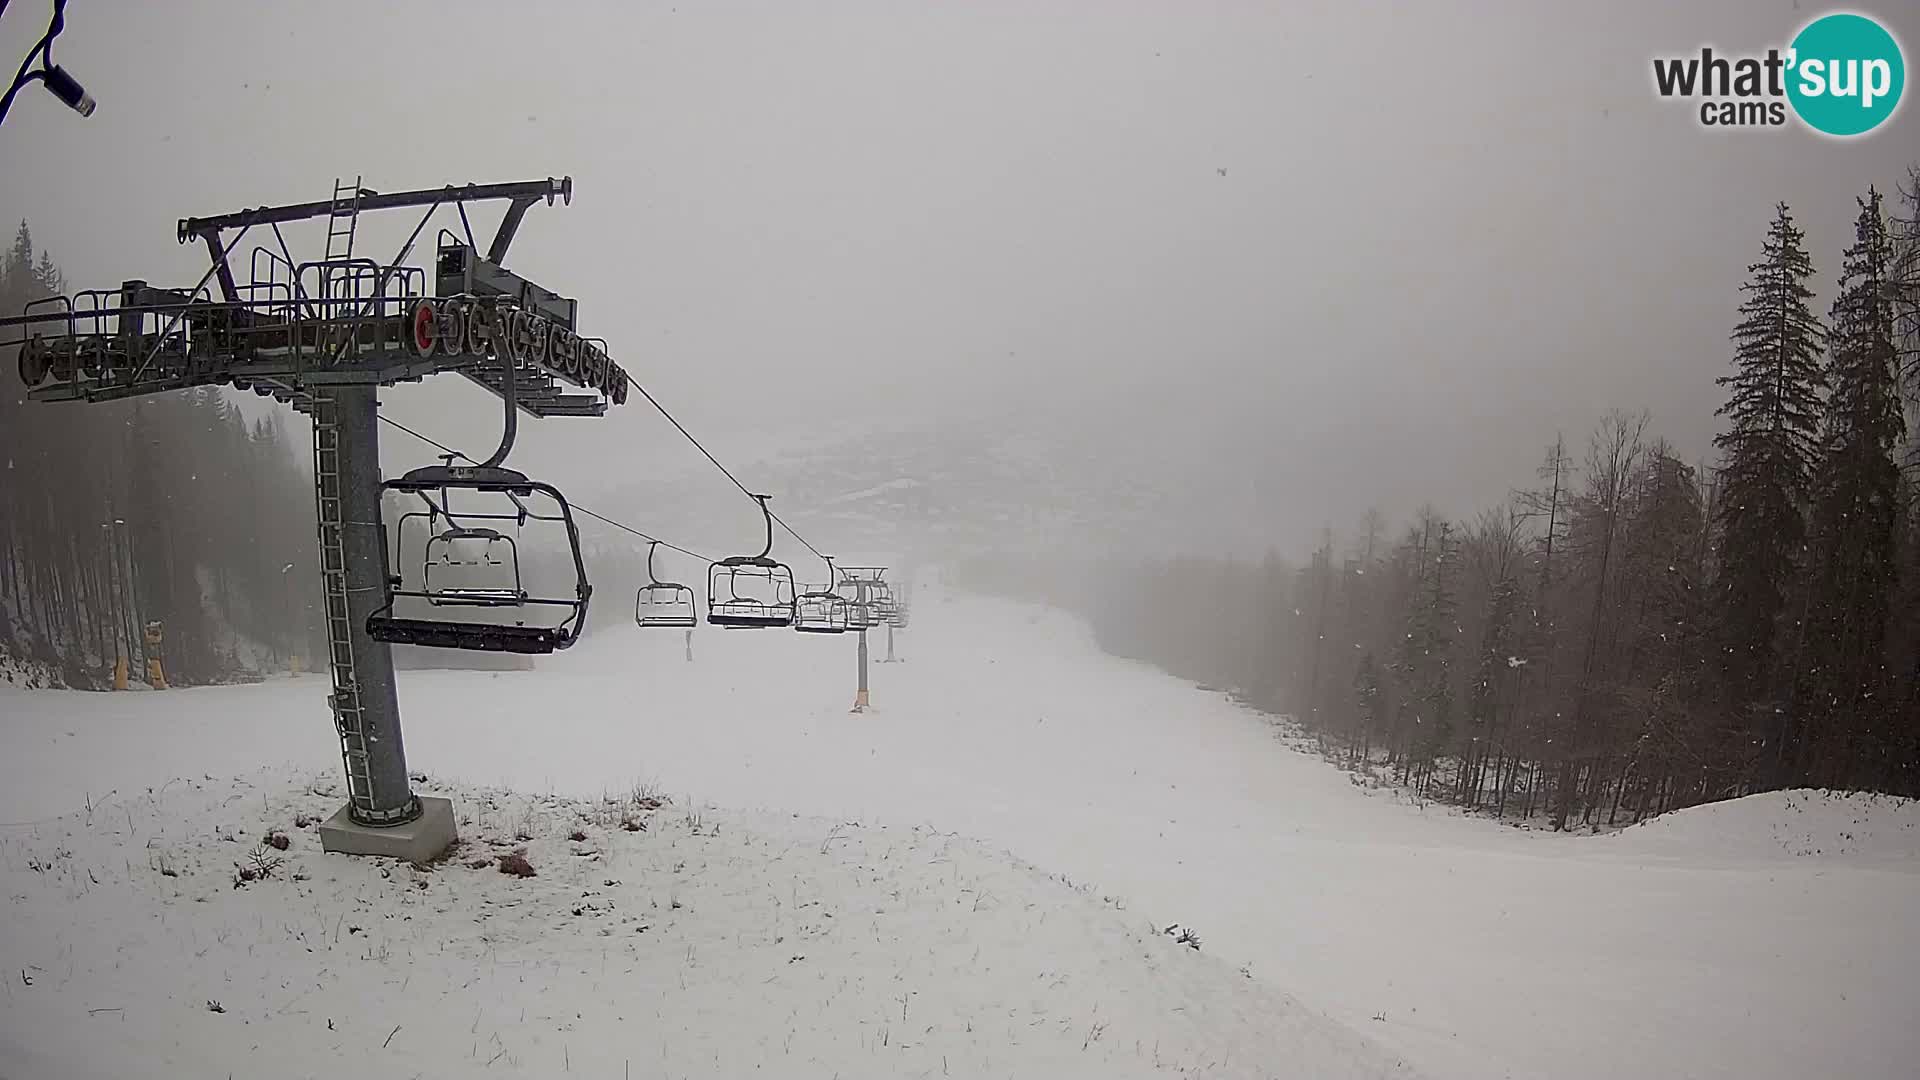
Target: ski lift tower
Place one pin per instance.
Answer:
(323, 336)
(870, 592)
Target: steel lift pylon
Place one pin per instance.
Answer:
(869, 586)
(324, 336)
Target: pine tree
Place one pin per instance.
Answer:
(19, 265)
(1769, 453)
(1840, 707)
(1425, 664)
(49, 275)
(1314, 597)
(1666, 679)
(1490, 677)
(1366, 694)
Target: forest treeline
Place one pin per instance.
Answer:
(168, 508)
(1629, 632)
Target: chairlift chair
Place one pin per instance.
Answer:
(465, 562)
(880, 596)
(665, 604)
(820, 610)
(751, 592)
(860, 612)
(860, 616)
(471, 572)
(866, 596)
(897, 615)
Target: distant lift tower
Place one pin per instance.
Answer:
(870, 602)
(324, 336)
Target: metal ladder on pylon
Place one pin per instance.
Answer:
(345, 699)
(343, 219)
(343, 222)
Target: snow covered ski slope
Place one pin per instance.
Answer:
(1773, 937)
(649, 939)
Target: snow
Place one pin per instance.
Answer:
(1869, 829)
(1771, 937)
(703, 944)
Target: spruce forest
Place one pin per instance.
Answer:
(171, 509)
(1629, 632)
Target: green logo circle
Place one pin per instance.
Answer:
(1846, 74)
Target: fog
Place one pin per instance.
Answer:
(1292, 261)
(1170, 381)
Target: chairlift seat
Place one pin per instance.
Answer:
(665, 605)
(444, 527)
(821, 612)
(458, 597)
(749, 615)
(479, 637)
(728, 609)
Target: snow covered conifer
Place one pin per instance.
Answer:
(1855, 522)
(1769, 452)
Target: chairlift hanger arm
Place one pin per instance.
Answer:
(762, 500)
(508, 397)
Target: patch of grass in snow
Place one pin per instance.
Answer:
(259, 865)
(628, 812)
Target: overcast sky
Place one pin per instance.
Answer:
(1412, 240)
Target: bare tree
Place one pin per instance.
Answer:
(1613, 457)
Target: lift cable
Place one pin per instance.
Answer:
(644, 536)
(744, 490)
(444, 448)
(435, 443)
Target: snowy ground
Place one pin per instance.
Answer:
(669, 941)
(1773, 937)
